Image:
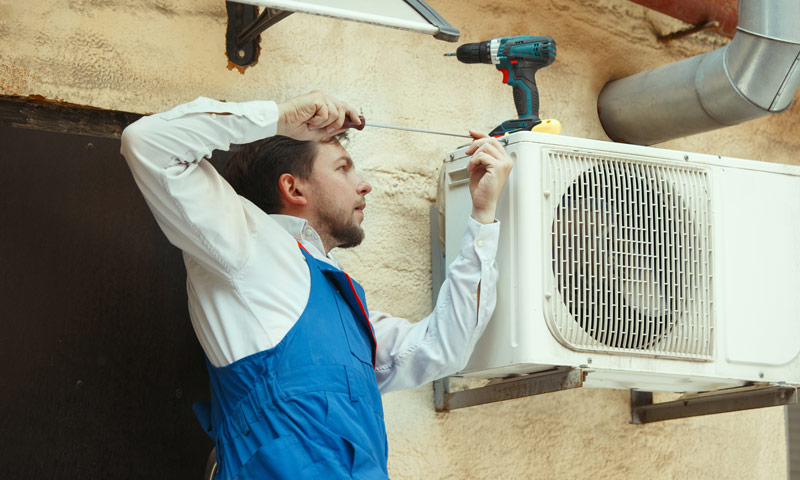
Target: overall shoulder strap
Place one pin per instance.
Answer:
(352, 293)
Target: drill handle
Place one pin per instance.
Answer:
(526, 95)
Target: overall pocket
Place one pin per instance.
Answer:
(282, 458)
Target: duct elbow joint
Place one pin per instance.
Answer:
(756, 74)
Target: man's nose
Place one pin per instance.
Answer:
(363, 187)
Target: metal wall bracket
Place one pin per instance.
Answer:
(557, 379)
(244, 29)
(643, 410)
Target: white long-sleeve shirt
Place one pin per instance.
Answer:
(247, 280)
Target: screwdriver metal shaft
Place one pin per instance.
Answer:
(351, 124)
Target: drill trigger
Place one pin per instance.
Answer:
(505, 74)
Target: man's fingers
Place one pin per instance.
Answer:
(492, 148)
(322, 115)
(315, 113)
(480, 160)
(341, 116)
(486, 154)
(354, 116)
(332, 115)
(476, 134)
(345, 113)
(313, 116)
(479, 140)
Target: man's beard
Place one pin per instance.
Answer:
(340, 225)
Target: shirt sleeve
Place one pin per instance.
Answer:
(197, 209)
(412, 354)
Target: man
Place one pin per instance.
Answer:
(296, 362)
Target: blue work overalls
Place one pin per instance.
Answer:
(308, 407)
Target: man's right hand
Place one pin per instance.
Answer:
(489, 168)
(313, 116)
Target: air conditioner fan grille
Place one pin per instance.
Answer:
(630, 256)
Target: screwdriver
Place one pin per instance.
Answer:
(351, 124)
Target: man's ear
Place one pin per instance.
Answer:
(292, 190)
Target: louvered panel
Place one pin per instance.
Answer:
(630, 255)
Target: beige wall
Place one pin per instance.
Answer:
(147, 56)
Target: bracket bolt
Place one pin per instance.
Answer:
(241, 53)
(760, 374)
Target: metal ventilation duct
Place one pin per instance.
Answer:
(757, 73)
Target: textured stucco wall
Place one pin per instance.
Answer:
(146, 56)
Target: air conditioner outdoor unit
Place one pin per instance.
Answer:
(654, 269)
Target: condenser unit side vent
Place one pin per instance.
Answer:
(630, 255)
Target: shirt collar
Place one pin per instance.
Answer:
(306, 235)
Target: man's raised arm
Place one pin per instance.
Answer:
(409, 354)
(197, 210)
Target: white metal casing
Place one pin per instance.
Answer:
(751, 268)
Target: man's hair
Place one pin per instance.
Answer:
(254, 170)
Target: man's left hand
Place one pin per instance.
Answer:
(314, 116)
(489, 168)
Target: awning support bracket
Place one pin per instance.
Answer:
(245, 26)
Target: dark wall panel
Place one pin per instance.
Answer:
(99, 363)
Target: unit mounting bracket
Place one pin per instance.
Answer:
(554, 380)
(643, 410)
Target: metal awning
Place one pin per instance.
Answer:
(245, 23)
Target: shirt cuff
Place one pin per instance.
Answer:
(263, 113)
(480, 240)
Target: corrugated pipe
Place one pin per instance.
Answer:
(757, 73)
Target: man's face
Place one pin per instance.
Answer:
(336, 197)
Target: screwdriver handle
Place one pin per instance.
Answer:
(352, 124)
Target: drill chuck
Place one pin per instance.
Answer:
(477, 52)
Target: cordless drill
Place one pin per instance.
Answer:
(518, 58)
